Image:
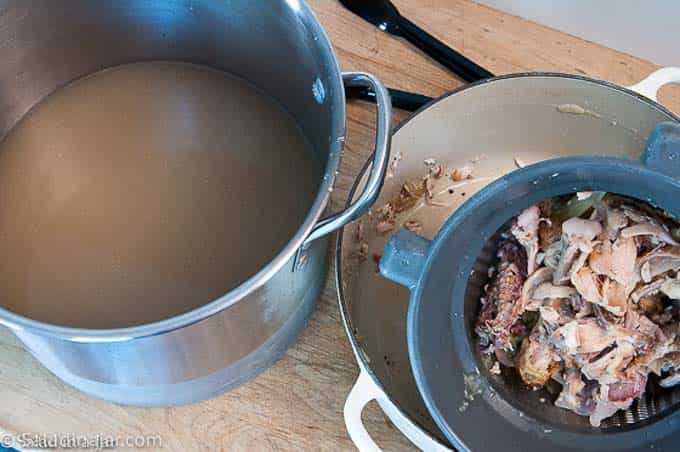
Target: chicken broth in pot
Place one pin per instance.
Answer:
(143, 191)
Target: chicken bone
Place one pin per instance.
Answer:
(536, 362)
(581, 231)
(552, 255)
(608, 294)
(671, 288)
(648, 289)
(615, 220)
(548, 290)
(658, 262)
(608, 367)
(530, 286)
(624, 255)
(605, 407)
(657, 232)
(498, 312)
(586, 336)
(577, 237)
(576, 394)
(525, 230)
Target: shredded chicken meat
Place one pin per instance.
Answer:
(590, 300)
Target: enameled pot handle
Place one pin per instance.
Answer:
(404, 258)
(653, 82)
(381, 157)
(365, 390)
(662, 152)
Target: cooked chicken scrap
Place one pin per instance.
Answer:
(499, 313)
(537, 363)
(590, 300)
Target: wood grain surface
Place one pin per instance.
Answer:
(297, 404)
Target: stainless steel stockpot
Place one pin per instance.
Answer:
(280, 47)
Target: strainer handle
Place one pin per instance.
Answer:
(662, 153)
(653, 82)
(404, 257)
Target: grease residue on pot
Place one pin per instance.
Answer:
(576, 109)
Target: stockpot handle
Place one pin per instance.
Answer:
(653, 82)
(381, 157)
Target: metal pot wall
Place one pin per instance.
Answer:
(280, 47)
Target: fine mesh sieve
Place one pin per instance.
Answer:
(654, 405)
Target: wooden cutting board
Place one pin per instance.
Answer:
(297, 404)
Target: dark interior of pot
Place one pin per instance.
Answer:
(654, 405)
